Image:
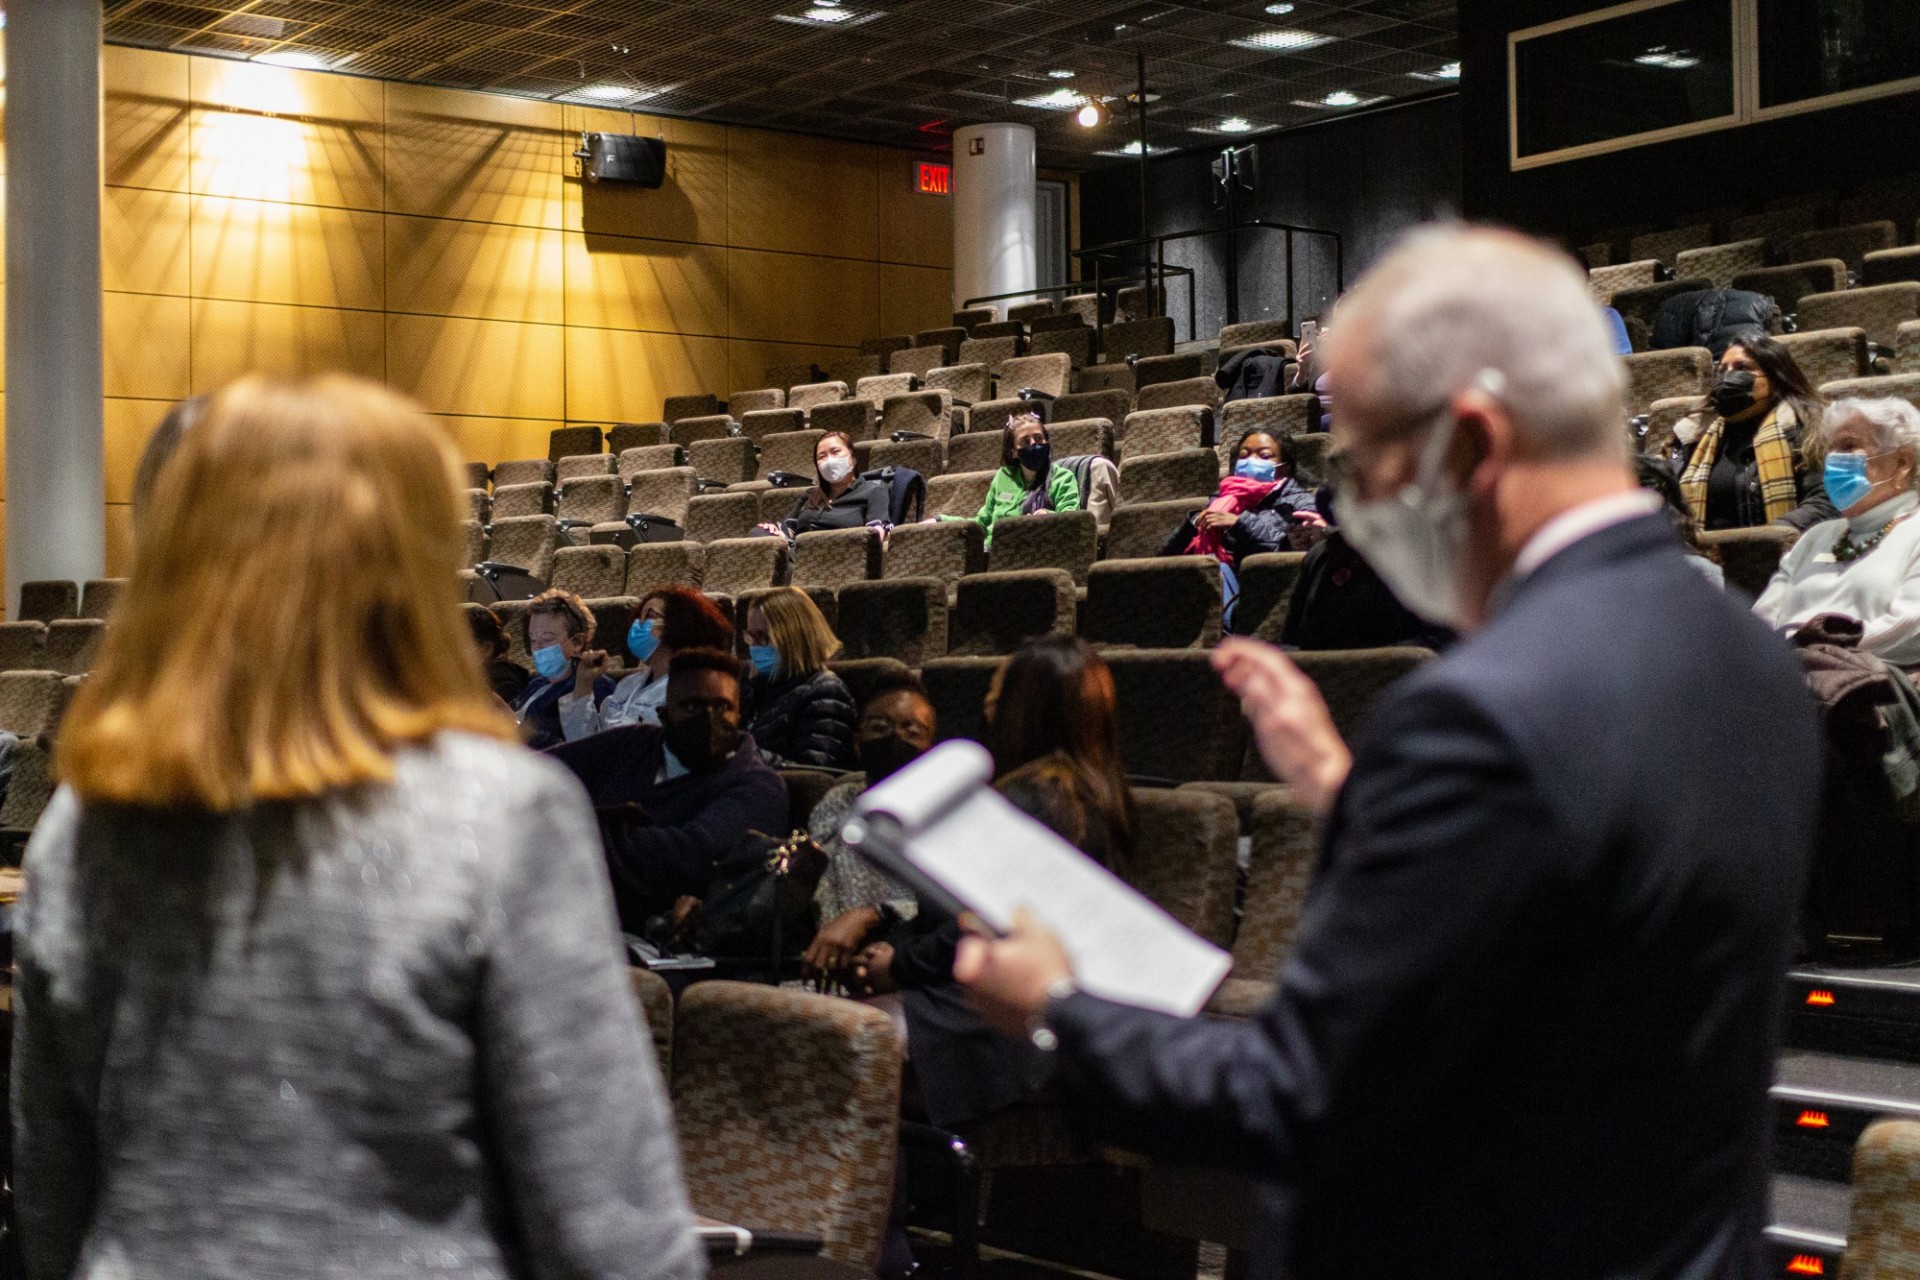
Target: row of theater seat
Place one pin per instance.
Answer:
(1668, 385)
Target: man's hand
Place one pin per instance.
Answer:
(838, 941)
(873, 971)
(593, 664)
(1289, 718)
(1007, 978)
(1306, 530)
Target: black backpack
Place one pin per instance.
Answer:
(1255, 372)
(1712, 318)
(906, 492)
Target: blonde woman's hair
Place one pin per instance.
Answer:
(293, 616)
(799, 631)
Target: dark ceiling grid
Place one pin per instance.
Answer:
(907, 77)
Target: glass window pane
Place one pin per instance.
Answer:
(1811, 48)
(1655, 69)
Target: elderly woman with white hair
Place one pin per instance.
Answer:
(1866, 564)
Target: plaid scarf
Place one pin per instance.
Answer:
(1772, 454)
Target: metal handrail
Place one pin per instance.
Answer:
(1068, 288)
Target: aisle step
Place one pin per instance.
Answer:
(1822, 1103)
(1862, 1013)
(1809, 1226)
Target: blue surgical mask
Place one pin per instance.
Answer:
(765, 658)
(1846, 478)
(1261, 470)
(550, 662)
(643, 638)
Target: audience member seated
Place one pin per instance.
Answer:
(676, 799)
(559, 626)
(667, 620)
(802, 712)
(1250, 511)
(838, 499)
(1753, 454)
(1306, 378)
(1866, 564)
(1655, 477)
(856, 899)
(1617, 330)
(1340, 602)
(507, 678)
(1027, 482)
(1054, 733)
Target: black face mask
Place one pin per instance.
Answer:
(880, 758)
(702, 741)
(1732, 392)
(1036, 457)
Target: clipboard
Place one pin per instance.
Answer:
(939, 827)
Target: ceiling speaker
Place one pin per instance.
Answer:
(623, 158)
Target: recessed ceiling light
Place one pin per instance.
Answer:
(1056, 100)
(1131, 149)
(1091, 116)
(1281, 41)
(1671, 60)
(619, 94)
(828, 15)
(1451, 71)
(1235, 124)
(1341, 98)
(1061, 73)
(1279, 10)
(297, 59)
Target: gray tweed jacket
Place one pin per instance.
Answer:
(386, 1033)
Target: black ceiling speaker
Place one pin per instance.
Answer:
(623, 158)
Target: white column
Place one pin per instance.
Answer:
(55, 469)
(993, 197)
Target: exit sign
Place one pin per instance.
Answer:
(933, 179)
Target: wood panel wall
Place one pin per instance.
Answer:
(262, 218)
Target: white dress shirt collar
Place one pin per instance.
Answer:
(1580, 522)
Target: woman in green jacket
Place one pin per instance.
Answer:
(1027, 481)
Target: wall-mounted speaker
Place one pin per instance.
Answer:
(623, 158)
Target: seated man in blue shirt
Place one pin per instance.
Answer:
(698, 779)
(559, 626)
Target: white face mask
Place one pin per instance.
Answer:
(1416, 539)
(836, 469)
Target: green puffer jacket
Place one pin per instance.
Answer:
(1006, 494)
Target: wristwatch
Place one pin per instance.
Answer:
(1038, 1031)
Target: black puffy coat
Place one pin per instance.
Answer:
(807, 721)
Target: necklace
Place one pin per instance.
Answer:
(1847, 550)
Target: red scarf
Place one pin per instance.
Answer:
(1237, 495)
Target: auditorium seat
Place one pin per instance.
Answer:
(1139, 302)
(1105, 377)
(854, 369)
(1775, 226)
(590, 573)
(28, 789)
(479, 505)
(1075, 342)
(996, 613)
(859, 674)
(1883, 1220)
(1161, 602)
(1604, 282)
(513, 623)
(928, 457)
(576, 466)
(567, 442)
(1079, 438)
(1880, 310)
(791, 451)
(21, 644)
(1906, 344)
(975, 451)
(1149, 336)
(663, 492)
(611, 616)
(526, 542)
(806, 397)
(1084, 306)
(965, 383)
(924, 413)
(479, 475)
(741, 403)
(835, 557)
(1889, 266)
(1162, 477)
(1827, 355)
(787, 1108)
(677, 408)
(874, 390)
(1140, 529)
(1662, 416)
(761, 423)
(1352, 680)
(1114, 406)
(1204, 392)
(655, 1000)
(1595, 255)
(1266, 590)
(1720, 263)
(1278, 416)
(1665, 247)
(691, 431)
(1161, 431)
(970, 318)
(948, 339)
(904, 618)
(1186, 852)
(513, 500)
(591, 500)
(1051, 540)
(636, 435)
(714, 516)
(1902, 386)
(1177, 366)
(1283, 848)
(1657, 375)
(885, 346)
(957, 687)
(1177, 721)
(1638, 307)
(958, 493)
(854, 417)
(1027, 312)
(728, 460)
(824, 599)
(71, 644)
(1788, 284)
(476, 541)
(991, 352)
(1046, 373)
(1849, 244)
(664, 564)
(947, 550)
(1255, 333)
(734, 565)
(918, 360)
(32, 701)
(520, 471)
(1310, 454)
(655, 457)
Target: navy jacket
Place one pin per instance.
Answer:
(696, 819)
(538, 705)
(1530, 1019)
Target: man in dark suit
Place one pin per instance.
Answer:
(1529, 1023)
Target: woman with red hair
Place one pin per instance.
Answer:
(666, 621)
